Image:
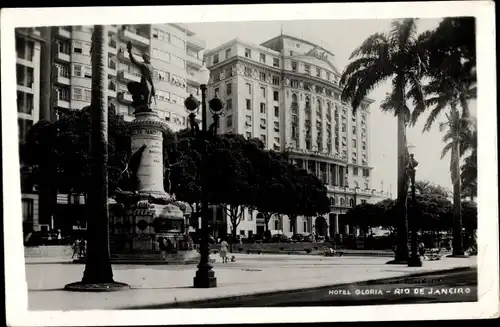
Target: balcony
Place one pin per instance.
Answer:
(112, 29)
(112, 90)
(112, 51)
(61, 56)
(191, 78)
(195, 43)
(62, 104)
(135, 38)
(63, 32)
(125, 97)
(193, 61)
(128, 77)
(82, 35)
(63, 80)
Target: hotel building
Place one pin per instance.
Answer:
(286, 92)
(54, 73)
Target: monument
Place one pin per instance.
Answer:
(147, 223)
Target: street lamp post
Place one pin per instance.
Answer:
(414, 260)
(205, 276)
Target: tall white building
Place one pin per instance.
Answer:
(286, 92)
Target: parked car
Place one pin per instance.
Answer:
(253, 239)
(280, 238)
(301, 238)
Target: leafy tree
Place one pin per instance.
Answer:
(426, 187)
(366, 215)
(451, 62)
(397, 57)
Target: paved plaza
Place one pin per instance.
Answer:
(251, 274)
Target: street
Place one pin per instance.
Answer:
(297, 279)
(454, 286)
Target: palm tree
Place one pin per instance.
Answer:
(396, 57)
(452, 84)
(468, 175)
(98, 265)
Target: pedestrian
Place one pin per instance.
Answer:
(421, 249)
(82, 248)
(59, 237)
(76, 248)
(162, 243)
(223, 251)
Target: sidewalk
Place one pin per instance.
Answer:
(250, 274)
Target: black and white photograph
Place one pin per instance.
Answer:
(250, 159)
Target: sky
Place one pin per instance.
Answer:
(341, 37)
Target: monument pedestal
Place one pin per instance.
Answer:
(152, 229)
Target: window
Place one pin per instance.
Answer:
(305, 226)
(263, 138)
(174, 40)
(262, 58)
(262, 108)
(328, 75)
(229, 104)
(24, 102)
(363, 145)
(295, 83)
(77, 70)
(276, 62)
(354, 144)
(155, 33)
(242, 232)
(276, 126)
(64, 94)
(276, 111)
(343, 127)
(248, 53)
(77, 93)
(249, 88)
(318, 72)
(262, 76)
(263, 122)
(248, 119)
(77, 47)
(229, 121)
(248, 104)
(228, 88)
(364, 201)
(263, 92)
(63, 47)
(177, 61)
(307, 69)
(276, 224)
(88, 95)
(354, 130)
(294, 66)
(87, 72)
(355, 171)
(248, 71)
(27, 210)
(276, 80)
(228, 53)
(216, 92)
(248, 135)
(25, 49)
(276, 96)
(216, 59)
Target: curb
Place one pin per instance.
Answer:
(390, 280)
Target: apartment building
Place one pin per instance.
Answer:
(54, 73)
(286, 92)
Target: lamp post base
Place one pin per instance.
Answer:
(204, 279)
(414, 261)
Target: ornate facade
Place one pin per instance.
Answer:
(286, 92)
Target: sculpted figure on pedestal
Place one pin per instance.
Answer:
(142, 92)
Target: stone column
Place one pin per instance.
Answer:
(147, 129)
